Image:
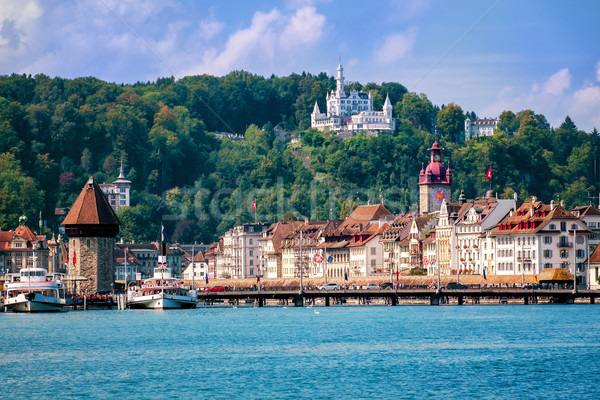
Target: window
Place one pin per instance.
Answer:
(251, 271)
(547, 253)
(251, 253)
(251, 242)
(373, 251)
(564, 254)
(563, 226)
(547, 239)
(251, 262)
(580, 253)
(579, 239)
(373, 263)
(547, 265)
(552, 226)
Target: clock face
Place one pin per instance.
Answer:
(436, 157)
(439, 195)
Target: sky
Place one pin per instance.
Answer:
(487, 56)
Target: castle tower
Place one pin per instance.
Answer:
(92, 226)
(340, 81)
(435, 182)
(387, 107)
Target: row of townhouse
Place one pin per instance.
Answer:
(499, 237)
(487, 235)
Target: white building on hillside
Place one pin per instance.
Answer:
(352, 111)
(480, 127)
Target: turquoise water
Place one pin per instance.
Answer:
(407, 352)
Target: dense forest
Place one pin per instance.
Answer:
(56, 132)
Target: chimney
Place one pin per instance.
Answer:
(533, 199)
(306, 220)
(552, 205)
(515, 197)
(510, 213)
(562, 203)
(368, 202)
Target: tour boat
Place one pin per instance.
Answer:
(162, 291)
(34, 290)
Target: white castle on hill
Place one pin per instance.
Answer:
(352, 111)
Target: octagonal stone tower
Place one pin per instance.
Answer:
(91, 226)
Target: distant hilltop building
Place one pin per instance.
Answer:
(352, 111)
(118, 192)
(480, 127)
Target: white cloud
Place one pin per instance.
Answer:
(269, 35)
(395, 46)
(305, 27)
(558, 82)
(210, 27)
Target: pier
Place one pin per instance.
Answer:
(300, 298)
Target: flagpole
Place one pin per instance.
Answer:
(193, 269)
(301, 286)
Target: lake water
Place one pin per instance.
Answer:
(408, 352)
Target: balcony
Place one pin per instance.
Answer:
(564, 245)
(524, 259)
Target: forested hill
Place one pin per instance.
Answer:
(56, 132)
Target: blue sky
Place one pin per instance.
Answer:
(486, 56)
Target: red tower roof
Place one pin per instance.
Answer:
(436, 172)
(91, 214)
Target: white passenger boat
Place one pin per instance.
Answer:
(34, 290)
(162, 291)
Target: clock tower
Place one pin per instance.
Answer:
(435, 182)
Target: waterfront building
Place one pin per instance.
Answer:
(352, 111)
(445, 236)
(298, 250)
(57, 255)
(118, 192)
(480, 127)
(435, 182)
(475, 251)
(270, 247)
(17, 249)
(198, 268)
(91, 226)
(133, 265)
(366, 250)
(594, 269)
(538, 236)
(212, 256)
(240, 257)
(395, 243)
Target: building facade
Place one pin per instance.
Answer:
(480, 127)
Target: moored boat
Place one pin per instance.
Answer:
(162, 291)
(34, 290)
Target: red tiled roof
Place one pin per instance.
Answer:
(25, 233)
(526, 221)
(362, 215)
(91, 207)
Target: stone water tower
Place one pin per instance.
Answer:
(91, 226)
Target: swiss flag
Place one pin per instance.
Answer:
(254, 205)
(488, 174)
(74, 257)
